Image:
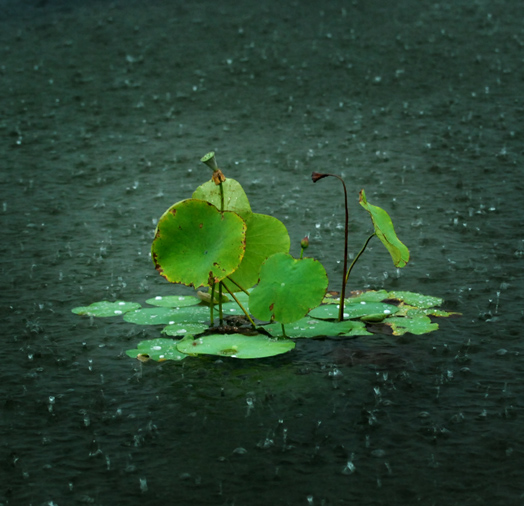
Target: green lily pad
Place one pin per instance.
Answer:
(195, 244)
(265, 236)
(182, 329)
(416, 299)
(288, 288)
(385, 232)
(368, 296)
(173, 301)
(105, 309)
(235, 198)
(168, 316)
(416, 324)
(374, 311)
(235, 346)
(311, 327)
(159, 349)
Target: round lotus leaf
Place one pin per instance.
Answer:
(195, 244)
(168, 316)
(235, 198)
(375, 311)
(310, 327)
(417, 324)
(104, 308)
(288, 288)
(416, 299)
(182, 329)
(265, 236)
(235, 346)
(173, 301)
(156, 349)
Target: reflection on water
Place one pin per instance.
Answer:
(102, 129)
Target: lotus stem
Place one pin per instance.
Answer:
(283, 330)
(211, 306)
(240, 305)
(358, 256)
(315, 177)
(220, 312)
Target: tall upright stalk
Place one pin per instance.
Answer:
(315, 177)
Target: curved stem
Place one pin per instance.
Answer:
(240, 305)
(220, 312)
(211, 306)
(358, 256)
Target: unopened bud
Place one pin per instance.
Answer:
(304, 243)
(315, 176)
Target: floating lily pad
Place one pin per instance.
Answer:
(374, 311)
(235, 346)
(288, 288)
(173, 301)
(168, 316)
(157, 349)
(385, 232)
(416, 299)
(311, 327)
(182, 329)
(195, 244)
(105, 309)
(368, 296)
(416, 324)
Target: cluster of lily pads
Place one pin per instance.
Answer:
(263, 298)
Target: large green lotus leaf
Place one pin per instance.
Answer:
(235, 198)
(288, 288)
(104, 308)
(371, 311)
(168, 316)
(159, 349)
(195, 243)
(174, 301)
(310, 327)
(182, 329)
(416, 299)
(416, 324)
(235, 346)
(385, 232)
(265, 236)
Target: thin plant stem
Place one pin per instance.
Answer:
(283, 330)
(235, 283)
(316, 177)
(212, 304)
(220, 312)
(240, 305)
(358, 256)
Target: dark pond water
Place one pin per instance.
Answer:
(105, 110)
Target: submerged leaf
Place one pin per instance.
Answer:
(288, 288)
(105, 309)
(235, 346)
(157, 349)
(385, 232)
(195, 244)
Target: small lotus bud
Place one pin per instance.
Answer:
(210, 160)
(304, 243)
(315, 176)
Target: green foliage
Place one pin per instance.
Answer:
(195, 244)
(105, 309)
(214, 239)
(235, 346)
(385, 232)
(288, 288)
